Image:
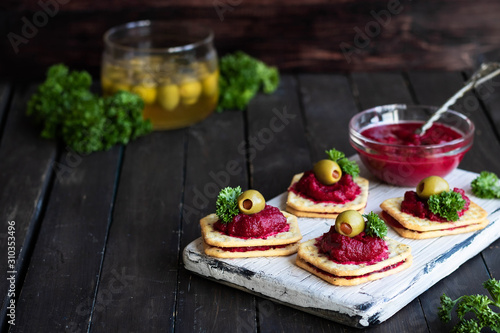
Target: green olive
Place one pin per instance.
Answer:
(327, 171)
(431, 185)
(251, 202)
(350, 223)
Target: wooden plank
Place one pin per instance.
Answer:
(215, 159)
(375, 89)
(25, 169)
(337, 35)
(276, 139)
(67, 257)
(5, 94)
(328, 105)
(141, 255)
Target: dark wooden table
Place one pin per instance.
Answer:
(98, 238)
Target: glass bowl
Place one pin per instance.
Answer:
(406, 164)
(172, 66)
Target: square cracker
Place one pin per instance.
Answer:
(407, 233)
(352, 281)
(215, 238)
(300, 203)
(219, 252)
(351, 274)
(309, 252)
(474, 215)
(299, 213)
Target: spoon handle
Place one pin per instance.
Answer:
(486, 72)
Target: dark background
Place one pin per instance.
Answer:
(305, 35)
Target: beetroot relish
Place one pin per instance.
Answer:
(267, 222)
(414, 205)
(252, 248)
(343, 191)
(352, 250)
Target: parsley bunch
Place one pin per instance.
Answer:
(479, 305)
(446, 204)
(375, 226)
(226, 206)
(486, 186)
(347, 166)
(241, 77)
(66, 108)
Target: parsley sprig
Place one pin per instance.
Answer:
(486, 186)
(226, 206)
(478, 305)
(446, 204)
(374, 225)
(347, 166)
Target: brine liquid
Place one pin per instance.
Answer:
(176, 93)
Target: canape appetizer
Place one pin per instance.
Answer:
(245, 226)
(354, 251)
(433, 210)
(331, 187)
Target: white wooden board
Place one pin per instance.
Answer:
(364, 305)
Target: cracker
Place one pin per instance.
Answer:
(342, 281)
(309, 252)
(407, 233)
(474, 215)
(216, 238)
(219, 252)
(312, 214)
(300, 203)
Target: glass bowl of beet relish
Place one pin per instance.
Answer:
(385, 139)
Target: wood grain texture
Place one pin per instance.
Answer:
(139, 272)
(25, 173)
(374, 89)
(66, 260)
(328, 104)
(213, 161)
(277, 148)
(316, 35)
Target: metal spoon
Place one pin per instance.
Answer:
(483, 74)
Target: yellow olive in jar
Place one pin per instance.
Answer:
(251, 202)
(350, 223)
(210, 84)
(168, 96)
(147, 93)
(327, 172)
(190, 92)
(431, 185)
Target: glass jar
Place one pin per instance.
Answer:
(172, 66)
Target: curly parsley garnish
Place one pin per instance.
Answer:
(374, 225)
(226, 206)
(347, 166)
(66, 108)
(477, 304)
(486, 186)
(446, 204)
